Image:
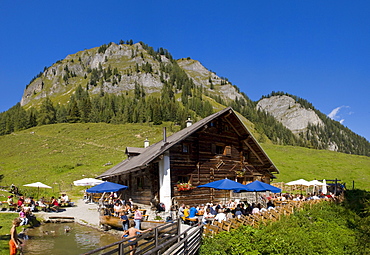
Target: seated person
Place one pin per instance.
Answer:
(256, 210)
(207, 216)
(221, 216)
(41, 204)
(186, 211)
(229, 214)
(27, 201)
(20, 202)
(64, 199)
(181, 210)
(270, 204)
(32, 204)
(117, 208)
(10, 200)
(54, 205)
(23, 217)
(193, 212)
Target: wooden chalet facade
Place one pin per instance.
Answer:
(216, 147)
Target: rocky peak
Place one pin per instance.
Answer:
(290, 113)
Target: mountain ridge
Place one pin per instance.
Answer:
(138, 71)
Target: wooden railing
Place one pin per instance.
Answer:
(255, 220)
(159, 236)
(187, 243)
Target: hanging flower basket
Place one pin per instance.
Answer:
(184, 186)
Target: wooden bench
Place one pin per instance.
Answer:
(190, 221)
(210, 229)
(226, 225)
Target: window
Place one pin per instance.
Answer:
(221, 149)
(185, 148)
(183, 179)
(139, 182)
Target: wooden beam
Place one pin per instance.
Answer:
(250, 147)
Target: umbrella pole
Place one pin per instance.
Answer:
(256, 197)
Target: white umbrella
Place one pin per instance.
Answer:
(37, 185)
(299, 182)
(324, 189)
(315, 183)
(87, 182)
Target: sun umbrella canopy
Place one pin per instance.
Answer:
(315, 183)
(224, 184)
(258, 186)
(37, 185)
(299, 182)
(87, 182)
(106, 187)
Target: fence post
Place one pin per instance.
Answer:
(120, 249)
(186, 243)
(178, 226)
(156, 239)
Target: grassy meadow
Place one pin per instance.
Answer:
(297, 162)
(59, 154)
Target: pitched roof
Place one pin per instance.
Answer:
(152, 152)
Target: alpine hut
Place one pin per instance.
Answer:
(216, 147)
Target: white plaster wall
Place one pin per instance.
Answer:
(165, 181)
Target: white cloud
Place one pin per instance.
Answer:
(338, 115)
(334, 112)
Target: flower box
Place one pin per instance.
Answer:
(184, 186)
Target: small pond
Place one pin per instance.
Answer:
(65, 239)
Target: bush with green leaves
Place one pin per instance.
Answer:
(326, 228)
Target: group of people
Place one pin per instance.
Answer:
(300, 197)
(30, 205)
(125, 210)
(217, 212)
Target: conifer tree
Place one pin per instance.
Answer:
(47, 114)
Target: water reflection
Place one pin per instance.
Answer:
(65, 239)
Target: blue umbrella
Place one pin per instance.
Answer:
(258, 186)
(224, 184)
(106, 187)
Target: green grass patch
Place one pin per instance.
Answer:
(298, 162)
(59, 154)
(326, 228)
(6, 223)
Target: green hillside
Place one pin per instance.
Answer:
(298, 162)
(61, 153)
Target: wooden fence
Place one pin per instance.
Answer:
(158, 237)
(255, 220)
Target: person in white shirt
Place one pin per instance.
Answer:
(64, 199)
(221, 216)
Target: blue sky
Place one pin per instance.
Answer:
(317, 50)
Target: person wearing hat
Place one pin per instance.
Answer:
(10, 200)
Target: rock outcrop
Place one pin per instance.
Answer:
(127, 63)
(290, 113)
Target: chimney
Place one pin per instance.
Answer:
(189, 122)
(146, 143)
(164, 135)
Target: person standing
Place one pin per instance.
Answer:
(14, 242)
(125, 221)
(137, 217)
(130, 233)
